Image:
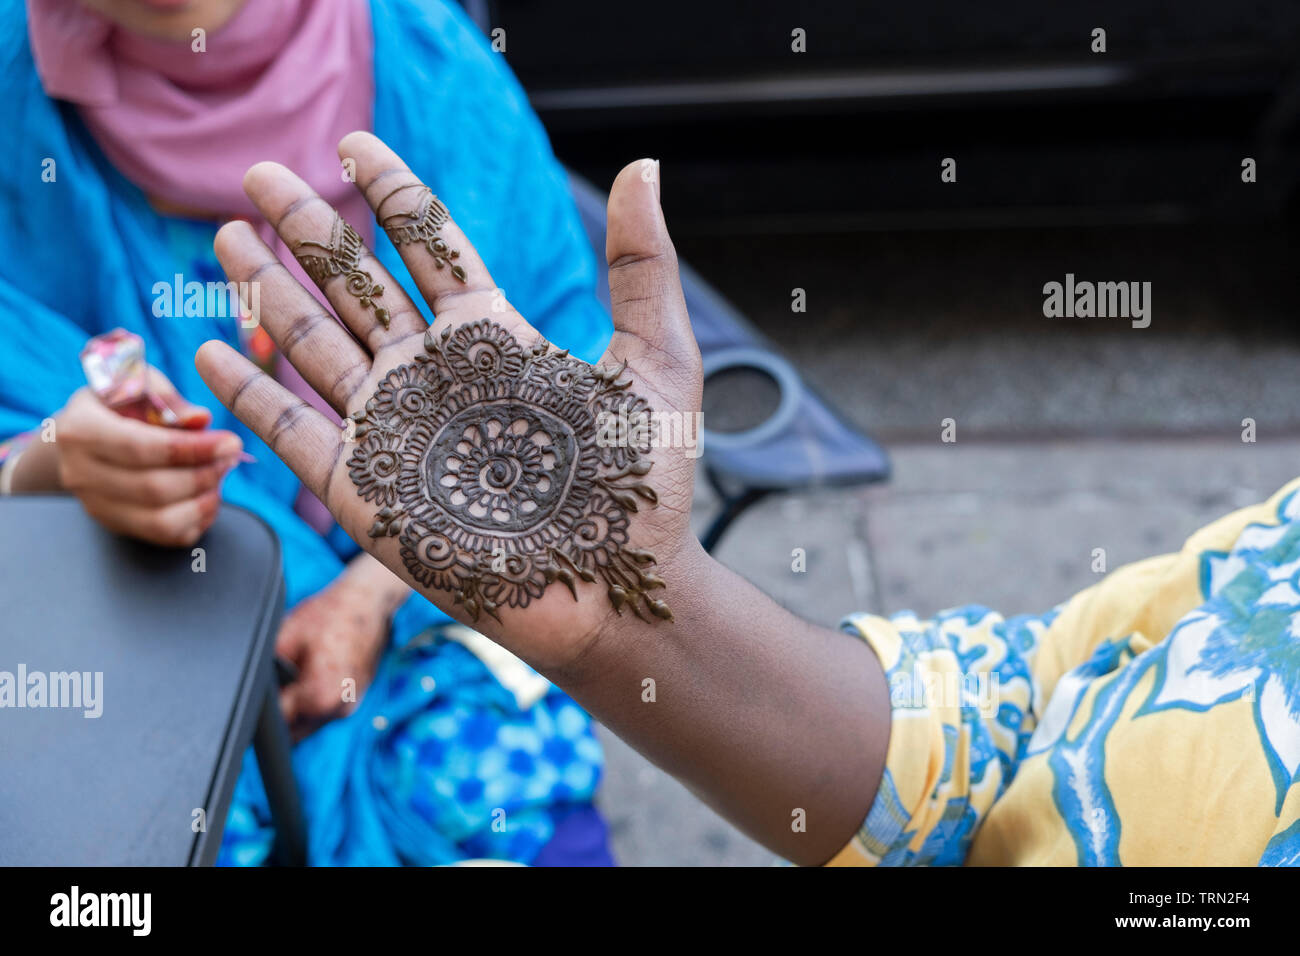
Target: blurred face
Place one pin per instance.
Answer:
(166, 19)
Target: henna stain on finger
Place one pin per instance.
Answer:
(345, 250)
(484, 461)
(421, 225)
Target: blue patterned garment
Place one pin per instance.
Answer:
(439, 764)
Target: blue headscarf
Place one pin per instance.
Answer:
(81, 250)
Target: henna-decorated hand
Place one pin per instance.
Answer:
(475, 473)
(521, 490)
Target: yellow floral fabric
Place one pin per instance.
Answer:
(1154, 718)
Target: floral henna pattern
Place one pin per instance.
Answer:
(343, 257)
(485, 462)
(421, 225)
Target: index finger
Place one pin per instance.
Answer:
(130, 443)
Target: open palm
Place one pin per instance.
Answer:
(519, 489)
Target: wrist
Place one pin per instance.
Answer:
(751, 707)
(694, 581)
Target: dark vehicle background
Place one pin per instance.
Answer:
(850, 134)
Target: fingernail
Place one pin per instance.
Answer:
(228, 447)
(196, 417)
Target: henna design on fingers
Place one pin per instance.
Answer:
(345, 250)
(484, 461)
(421, 225)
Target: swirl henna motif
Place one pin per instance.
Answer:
(484, 461)
(345, 250)
(421, 225)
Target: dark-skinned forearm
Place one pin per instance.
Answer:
(759, 712)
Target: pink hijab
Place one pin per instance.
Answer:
(283, 80)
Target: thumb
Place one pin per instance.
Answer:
(644, 288)
(188, 415)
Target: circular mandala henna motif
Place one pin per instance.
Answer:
(515, 580)
(601, 533)
(409, 392)
(626, 428)
(504, 465)
(483, 350)
(559, 371)
(432, 559)
(375, 465)
(492, 466)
